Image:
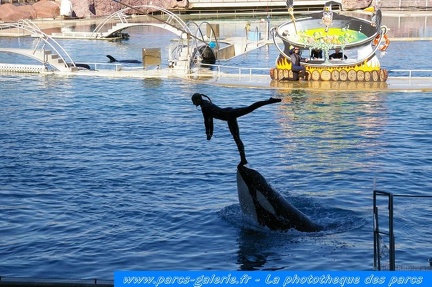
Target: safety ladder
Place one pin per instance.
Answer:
(389, 231)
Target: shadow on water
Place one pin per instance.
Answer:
(251, 255)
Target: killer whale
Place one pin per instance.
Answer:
(261, 203)
(112, 60)
(81, 66)
(207, 54)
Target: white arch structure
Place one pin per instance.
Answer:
(173, 23)
(182, 55)
(55, 56)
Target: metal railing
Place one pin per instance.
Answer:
(253, 71)
(378, 232)
(242, 71)
(237, 71)
(22, 68)
(410, 73)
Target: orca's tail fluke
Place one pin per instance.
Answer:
(111, 58)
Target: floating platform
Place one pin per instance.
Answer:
(246, 79)
(317, 34)
(401, 84)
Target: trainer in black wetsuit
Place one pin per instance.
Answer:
(297, 69)
(211, 111)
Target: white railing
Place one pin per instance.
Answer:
(410, 73)
(17, 68)
(113, 66)
(248, 71)
(119, 67)
(237, 71)
(211, 69)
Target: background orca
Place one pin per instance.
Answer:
(112, 60)
(265, 206)
(80, 65)
(207, 55)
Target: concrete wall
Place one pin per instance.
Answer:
(422, 4)
(249, 3)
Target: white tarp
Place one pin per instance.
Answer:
(66, 8)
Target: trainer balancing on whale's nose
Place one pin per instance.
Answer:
(259, 202)
(211, 111)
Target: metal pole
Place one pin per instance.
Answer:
(267, 27)
(377, 248)
(391, 234)
(375, 233)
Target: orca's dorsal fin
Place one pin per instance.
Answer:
(112, 59)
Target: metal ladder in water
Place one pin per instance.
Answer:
(377, 232)
(389, 231)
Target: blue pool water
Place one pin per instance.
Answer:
(103, 174)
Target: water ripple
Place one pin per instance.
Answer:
(103, 174)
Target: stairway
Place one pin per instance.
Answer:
(182, 63)
(55, 61)
(43, 56)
